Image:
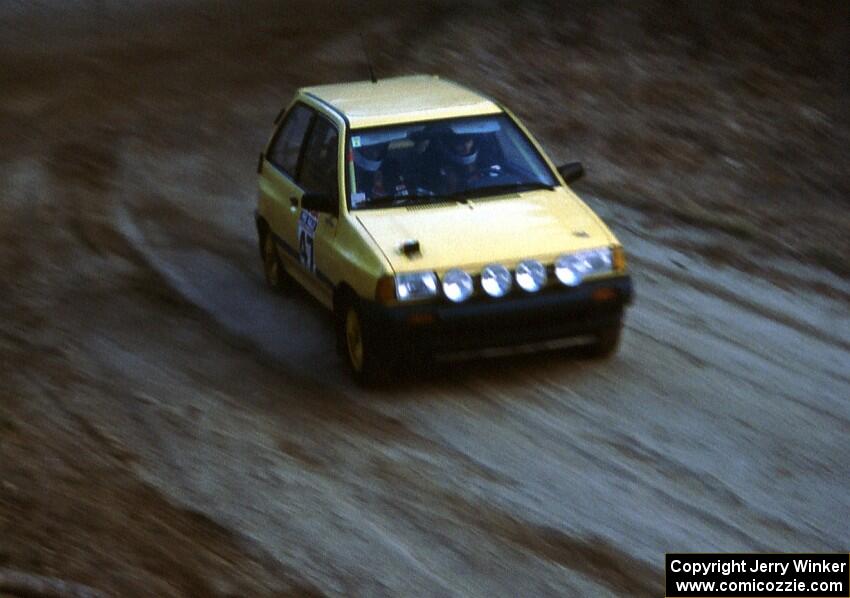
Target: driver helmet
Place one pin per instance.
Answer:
(462, 149)
(370, 157)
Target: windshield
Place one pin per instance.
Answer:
(442, 160)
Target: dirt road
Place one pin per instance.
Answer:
(169, 427)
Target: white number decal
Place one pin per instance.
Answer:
(307, 224)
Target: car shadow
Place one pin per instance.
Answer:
(421, 379)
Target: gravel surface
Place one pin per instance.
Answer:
(170, 427)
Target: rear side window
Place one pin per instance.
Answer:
(319, 170)
(286, 145)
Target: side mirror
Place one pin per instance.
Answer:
(319, 202)
(571, 171)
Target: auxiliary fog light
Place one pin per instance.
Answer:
(496, 280)
(530, 275)
(457, 285)
(565, 270)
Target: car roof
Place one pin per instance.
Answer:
(401, 99)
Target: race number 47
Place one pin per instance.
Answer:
(307, 224)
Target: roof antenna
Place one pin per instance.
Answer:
(368, 60)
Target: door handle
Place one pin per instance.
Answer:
(293, 201)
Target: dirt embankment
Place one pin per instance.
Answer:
(730, 118)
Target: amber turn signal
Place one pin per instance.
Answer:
(421, 319)
(385, 290)
(618, 258)
(604, 294)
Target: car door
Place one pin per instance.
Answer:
(319, 173)
(280, 193)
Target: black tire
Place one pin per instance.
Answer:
(606, 344)
(360, 346)
(272, 267)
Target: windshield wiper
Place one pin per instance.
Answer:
(498, 190)
(394, 200)
(413, 199)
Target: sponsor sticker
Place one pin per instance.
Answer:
(307, 224)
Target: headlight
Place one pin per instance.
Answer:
(457, 285)
(415, 285)
(572, 268)
(495, 280)
(530, 275)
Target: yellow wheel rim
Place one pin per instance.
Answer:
(354, 339)
(270, 263)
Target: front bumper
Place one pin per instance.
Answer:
(520, 318)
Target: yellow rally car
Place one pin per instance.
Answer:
(430, 221)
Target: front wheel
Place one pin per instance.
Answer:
(370, 361)
(360, 346)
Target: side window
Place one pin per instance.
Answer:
(286, 145)
(320, 165)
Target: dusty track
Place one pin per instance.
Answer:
(168, 426)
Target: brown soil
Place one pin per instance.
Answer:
(168, 428)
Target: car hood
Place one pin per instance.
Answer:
(507, 229)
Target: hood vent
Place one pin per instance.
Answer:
(428, 206)
(410, 248)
